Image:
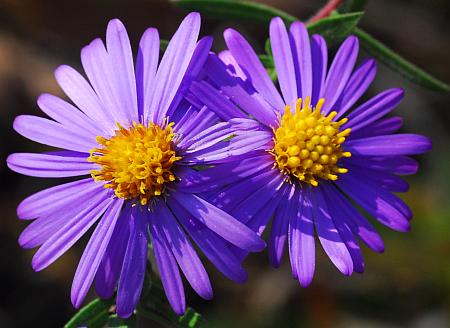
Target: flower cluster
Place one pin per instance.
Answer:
(203, 148)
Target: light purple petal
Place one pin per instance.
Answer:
(319, 56)
(93, 253)
(247, 59)
(134, 263)
(401, 165)
(383, 126)
(232, 66)
(51, 133)
(220, 222)
(340, 71)
(284, 63)
(45, 165)
(389, 145)
(301, 47)
(197, 121)
(172, 68)
(383, 179)
(329, 236)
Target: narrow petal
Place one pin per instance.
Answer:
(134, 263)
(383, 179)
(220, 222)
(244, 54)
(301, 47)
(172, 68)
(232, 65)
(319, 56)
(401, 165)
(384, 126)
(389, 145)
(93, 253)
(284, 64)
(50, 166)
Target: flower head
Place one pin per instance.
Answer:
(313, 149)
(138, 141)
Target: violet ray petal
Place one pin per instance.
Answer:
(146, 66)
(213, 246)
(212, 178)
(184, 253)
(279, 230)
(293, 231)
(68, 115)
(109, 270)
(51, 166)
(328, 235)
(46, 200)
(172, 68)
(232, 66)
(301, 48)
(100, 71)
(220, 222)
(355, 220)
(93, 253)
(68, 235)
(375, 108)
(168, 270)
(381, 204)
(358, 83)
(303, 228)
(284, 63)
(83, 96)
(383, 126)
(121, 57)
(247, 59)
(389, 145)
(319, 56)
(340, 71)
(51, 133)
(401, 165)
(134, 263)
(198, 122)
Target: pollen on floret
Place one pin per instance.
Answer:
(136, 162)
(308, 144)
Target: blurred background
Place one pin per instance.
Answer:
(407, 286)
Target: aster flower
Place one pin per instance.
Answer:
(137, 141)
(318, 153)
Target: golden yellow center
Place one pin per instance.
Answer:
(307, 144)
(136, 162)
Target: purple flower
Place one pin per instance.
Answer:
(314, 153)
(133, 132)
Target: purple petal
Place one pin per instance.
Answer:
(381, 204)
(196, 122)
(121, 57)
(374, 109)
(68, 235)
(172, 68)
(93, 253)
(168, 270)
(220, 222)
(328, 234)
(284, 63)
(44, 165)
(247, 59)
(109, 270)
(146, 65)
(383, 179)
(389, 145)
(183, 251)
(51, 133)
(319, 56)
(393, 164)
(340, 71)
(301, 48)
(134, 263)
(383, 126)
(232, 66)
(358, 83)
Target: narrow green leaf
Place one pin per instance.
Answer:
(398, 64)
(234, 9)
(191, 319)
(163, 45)
(336, 27)
(349, 6)
(115, 322)
(93, 315)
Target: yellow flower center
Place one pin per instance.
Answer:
(307, 144)
(136, 162)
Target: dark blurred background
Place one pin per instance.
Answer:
(407, 286)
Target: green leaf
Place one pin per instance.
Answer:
(115, 322)
(335, 28)
(398, 64)
(349, 6)
(163, 45)
(191, 319)
(234, 9)
(93, 315)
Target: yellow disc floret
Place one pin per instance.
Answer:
(136, 162)
(307, 144)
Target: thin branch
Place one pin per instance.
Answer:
(325, 11)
